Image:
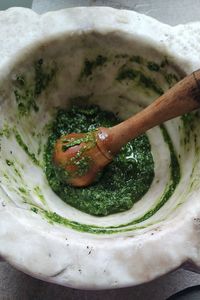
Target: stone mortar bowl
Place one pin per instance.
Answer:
(39, 233)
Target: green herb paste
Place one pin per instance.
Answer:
(121, 184)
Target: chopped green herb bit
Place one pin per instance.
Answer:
(171, 78)
(5, 131)
(127, 74)
(18, 173)
(9, 162)
(23, 190)
(90, 65)
(153, 66)
(34, 209)
(64, 148)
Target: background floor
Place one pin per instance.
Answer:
(15, 285)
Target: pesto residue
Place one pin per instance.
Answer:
(23, 145)
(122, 183)
(136, 68)
(188, 126)
(90, 65)
(27, 91)
(131, 69)
(140, 78)
(38, 192)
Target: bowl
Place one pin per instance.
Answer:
(42, 67)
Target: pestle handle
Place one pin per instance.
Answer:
(183, 98)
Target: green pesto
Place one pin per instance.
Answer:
(5, 131)
(175, 175)
(23, 190)
(152, 66)
(9, 162)
(122, 183)
(26, 93)
(38, 192)
(25, 148)
(53, 217)
(90, 65)
(25, 101)
(43, 76)
(171, 78)
(34, 209)
(188, 121)
(17, 173)
(142, 80)
(132, 68)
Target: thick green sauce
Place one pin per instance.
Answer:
(122, 183)
(174, 179)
